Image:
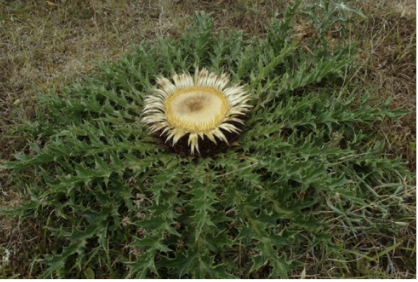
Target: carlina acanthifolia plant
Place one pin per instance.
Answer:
(303, 180)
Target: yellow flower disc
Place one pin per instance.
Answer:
(197, 109)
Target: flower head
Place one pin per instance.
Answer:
(197, 106)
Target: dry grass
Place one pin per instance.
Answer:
(389, 68)
(48, 44)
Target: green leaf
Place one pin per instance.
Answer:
(89, 273)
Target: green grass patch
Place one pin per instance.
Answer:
(307, 179)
